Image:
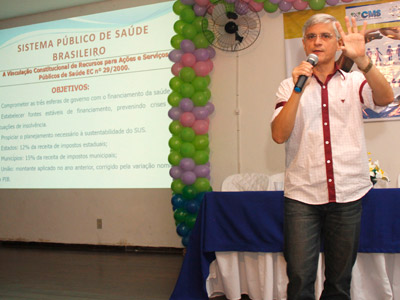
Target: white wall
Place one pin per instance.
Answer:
(243, 91)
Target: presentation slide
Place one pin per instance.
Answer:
(84, 101)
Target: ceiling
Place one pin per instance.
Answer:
(17, 8)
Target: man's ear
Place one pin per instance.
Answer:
(340, 42)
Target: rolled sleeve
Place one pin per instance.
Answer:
(367, 99)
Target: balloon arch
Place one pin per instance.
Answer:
(190, 106)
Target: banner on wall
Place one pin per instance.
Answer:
(382, 43)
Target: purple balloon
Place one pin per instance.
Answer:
(187, 164)
(199, 10)
(186, 104)
(174, 113)
(175, 55)
(275, 1)
(187, 46)
(188, 2)
(285, 6)
(241, 8)
(188, 177)
(202, 171)
(210, 107)
(175, 172)
(200, 112)
(332, 2)
(201, 54)
(211, 52)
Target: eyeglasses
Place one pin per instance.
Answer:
(325, 36)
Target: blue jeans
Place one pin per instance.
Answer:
(305, 226)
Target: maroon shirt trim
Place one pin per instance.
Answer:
(360, 91)
(330, 178)
(280, 104)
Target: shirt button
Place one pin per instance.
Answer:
(324, 105)
(324, 87)
(328, 161)
(326, 123)
(330, 180)
(327, 142)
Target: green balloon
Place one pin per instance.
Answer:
(200, 157)
(270, 7)
(200, 41)
(188, 134)
(187, 15)
(174, 158)
(187, 74)
(202, 184)
(176, 41)
(175, 83)
(178, 27)
(199, 23)
(207, 93)
(175, 127)
(187, 149)
(187, 90)
(189, 31)
(180, 215)
(317, 4)
(178, 7)
(174, 98)
(199, 98)
(200, 83)
(189, 192)
(190, 220)
(208, 79)
(229, 7)
(175, 143)
(201, 142)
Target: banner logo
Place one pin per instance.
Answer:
(367, 15)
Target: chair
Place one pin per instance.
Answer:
(236, 273)
(398, 181)
(381, 184)
(276, 182)
(246, 182)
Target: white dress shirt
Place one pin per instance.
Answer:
(326, 155)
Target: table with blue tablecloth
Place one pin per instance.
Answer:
(253, 222)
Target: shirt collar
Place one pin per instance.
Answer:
(341, 72)
(329, 77)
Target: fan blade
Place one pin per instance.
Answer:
(221, 20)
(226, 40)
(219, 15)
(248, 22)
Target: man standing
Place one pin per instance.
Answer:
(326, 157)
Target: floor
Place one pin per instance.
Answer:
(30, 273)
(76, 275)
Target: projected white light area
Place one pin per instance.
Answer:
(84, 101)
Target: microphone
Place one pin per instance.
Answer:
(313, 60)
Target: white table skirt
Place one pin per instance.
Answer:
(262, 276)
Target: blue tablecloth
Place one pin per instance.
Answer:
(253, 221)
